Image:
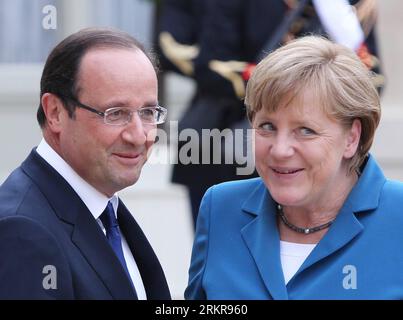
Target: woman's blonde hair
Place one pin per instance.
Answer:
(339, 80)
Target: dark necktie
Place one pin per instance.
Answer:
(111, 226)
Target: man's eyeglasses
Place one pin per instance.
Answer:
(119, 116)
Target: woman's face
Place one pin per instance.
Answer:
(301, 153)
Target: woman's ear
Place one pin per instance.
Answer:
(353, 139)
(54, 111)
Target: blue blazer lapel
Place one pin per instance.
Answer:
(343, 230)
(86, 235)
(150, 269)
(364, 197)
(262, 238)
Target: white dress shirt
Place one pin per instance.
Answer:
(96, 203)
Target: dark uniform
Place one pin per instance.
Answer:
(225, 39)
(223, 30)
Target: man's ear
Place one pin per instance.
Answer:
(54, 111)
(353, 139)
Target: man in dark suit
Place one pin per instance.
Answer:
(64, 233)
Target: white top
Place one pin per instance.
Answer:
(293, 256)
(96, 203)
(340, 22)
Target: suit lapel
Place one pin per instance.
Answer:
(347, 226)
(262, 239)
(92, 243)
(86, 235)
(150, 269)
(343, 230)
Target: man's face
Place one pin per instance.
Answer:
(110, 157)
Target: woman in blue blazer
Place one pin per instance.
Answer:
(322, 221)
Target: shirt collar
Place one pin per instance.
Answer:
(95, 201)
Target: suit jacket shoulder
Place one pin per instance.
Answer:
(46, 226)
(238, 190)
(33, 265)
